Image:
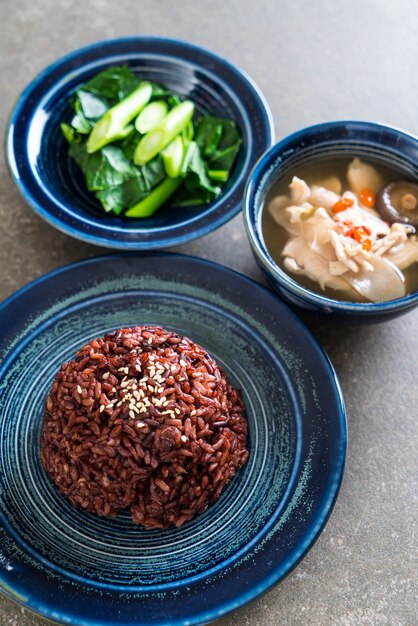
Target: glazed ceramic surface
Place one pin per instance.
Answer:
(51, 182)
(384, 144)
(76, 568)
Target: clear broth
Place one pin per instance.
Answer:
(275, 236)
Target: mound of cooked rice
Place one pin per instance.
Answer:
(143, 419)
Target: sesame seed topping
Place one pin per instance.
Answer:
(106, 375)
(109, 406)
(167, 402)
(150, 340)
(126, 370)
(79, 389)
(140, 424)
(160, 389)
(121, 369)
(131, 414)
(193, 412)
(150, 387)
(138, 368)
(173, 368)
(183, 363)
(102, 408)
(177, 411)
(183, 438)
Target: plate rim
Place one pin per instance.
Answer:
(281, 571)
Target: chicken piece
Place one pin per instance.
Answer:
(322, 197)
(397, 235)
(345, 249)
(301, 259)
(332, 183)
(361, 175)
(356, 216)
(299, 190)
(404, 255)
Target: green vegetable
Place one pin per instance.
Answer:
(151, 116)
(168, 129)
(134, 167)
(219, 175)
(111, 125)
(173, 156)
(219, 141)
(158, 196)
(112, 85)
(105, 168)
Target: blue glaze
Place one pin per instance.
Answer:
(80, 569)
(52, 184)
(385, 144)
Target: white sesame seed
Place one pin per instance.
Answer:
(121, 369)
(102, 408)
(109, 406)
(140, 424)
(160, 389)
(177, 411)
(131, 414)
(79, 389)
(193, 412)
(126, 370)
(106, 375)
(150, 340)
(125, 383)
(119, 403)
(166, 412)
(183, 363)
(183, 437)
(138, 368)
(150, 387)
(173, 368)
(166, 402)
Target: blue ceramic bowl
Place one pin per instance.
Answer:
(383, 144)
(80, 569)
(51, 182)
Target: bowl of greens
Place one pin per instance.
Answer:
(140, 142)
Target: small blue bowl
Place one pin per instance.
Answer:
(383, 144)
(52, 184)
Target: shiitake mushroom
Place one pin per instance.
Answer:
(398, 202)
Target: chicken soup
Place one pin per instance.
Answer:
(345, 228)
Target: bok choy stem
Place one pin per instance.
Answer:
(157, 197)
(111, 125)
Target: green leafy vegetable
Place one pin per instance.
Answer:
(137, 145)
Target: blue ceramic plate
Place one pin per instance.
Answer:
(51, 182)
(77, 568)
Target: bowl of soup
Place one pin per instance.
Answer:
(331, 214)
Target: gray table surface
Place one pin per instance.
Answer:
(315, 61)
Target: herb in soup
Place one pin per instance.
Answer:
(350, 234)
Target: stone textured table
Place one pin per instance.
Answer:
(315, 61)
